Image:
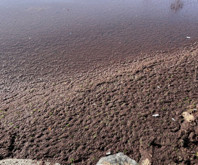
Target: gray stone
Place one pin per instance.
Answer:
(117, 159)
(24, 162)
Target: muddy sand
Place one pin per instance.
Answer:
(77, 119)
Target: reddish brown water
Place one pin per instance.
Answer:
(48, 35)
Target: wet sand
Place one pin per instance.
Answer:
(56, 38)
(50, 40)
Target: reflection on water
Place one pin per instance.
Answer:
(177, 5)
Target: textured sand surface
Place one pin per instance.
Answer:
(78, 119)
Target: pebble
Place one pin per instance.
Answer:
(155, 115)
(188, 117)
(173, 119)
(108, 153)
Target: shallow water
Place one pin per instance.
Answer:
(99, 30)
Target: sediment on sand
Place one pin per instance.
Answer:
(135, 107)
